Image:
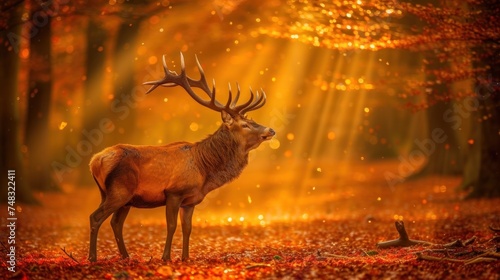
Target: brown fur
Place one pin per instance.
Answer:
(176, 175)
(219, 157)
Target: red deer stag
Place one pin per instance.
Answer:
(178, 175)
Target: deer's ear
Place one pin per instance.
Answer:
(226, 118)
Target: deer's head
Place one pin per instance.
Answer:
(247, 132)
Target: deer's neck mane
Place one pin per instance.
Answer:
(220, 157)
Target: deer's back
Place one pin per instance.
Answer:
(150, 171)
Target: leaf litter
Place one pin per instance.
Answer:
(52, 242)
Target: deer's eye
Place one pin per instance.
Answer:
(245, 125)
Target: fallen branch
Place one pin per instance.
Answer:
(484, 257)
(494, 229)
(473, 252)
(490, 255)
(369, 253)
(470, 241)
(447, 249)
(421, 256)
(446, 252)
(495, 239)
(479, 260)
(459, 243)
(257, 265)
(335, 256)
(403, 240)
(69, 255)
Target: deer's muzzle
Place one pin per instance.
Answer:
(270, 133)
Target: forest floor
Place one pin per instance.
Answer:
(336, 243)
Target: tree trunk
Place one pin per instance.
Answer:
(483, 169)
(94, 105)
(444, 158)
(482, 174)
(123, 78)
(39, 96)
(10, 137)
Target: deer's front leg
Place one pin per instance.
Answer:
(186, 218)
(172, 210)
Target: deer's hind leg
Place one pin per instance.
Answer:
(117, 196)
(117, 225)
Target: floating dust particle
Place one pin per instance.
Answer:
(194, 126)
(62, 125)
(331, 135)
(274, 143)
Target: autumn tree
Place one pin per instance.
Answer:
(39, 97)
(462, 43)
(94, 89)
(123, 71)
(468, 39)
(131, 14)
(446, 159)
(11, 136)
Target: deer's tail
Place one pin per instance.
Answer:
(102, 164)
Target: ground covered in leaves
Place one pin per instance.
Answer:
(336, 240)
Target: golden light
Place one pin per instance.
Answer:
(141, 50)
(194, 126)
(152, 59)
(274, 144)
(331, 135)
(337, 77)
(62, 125)
(25, 53)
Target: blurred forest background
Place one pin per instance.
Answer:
(348, 83)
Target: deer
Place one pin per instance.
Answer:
(177, 175)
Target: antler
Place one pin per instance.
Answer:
(173, 79)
